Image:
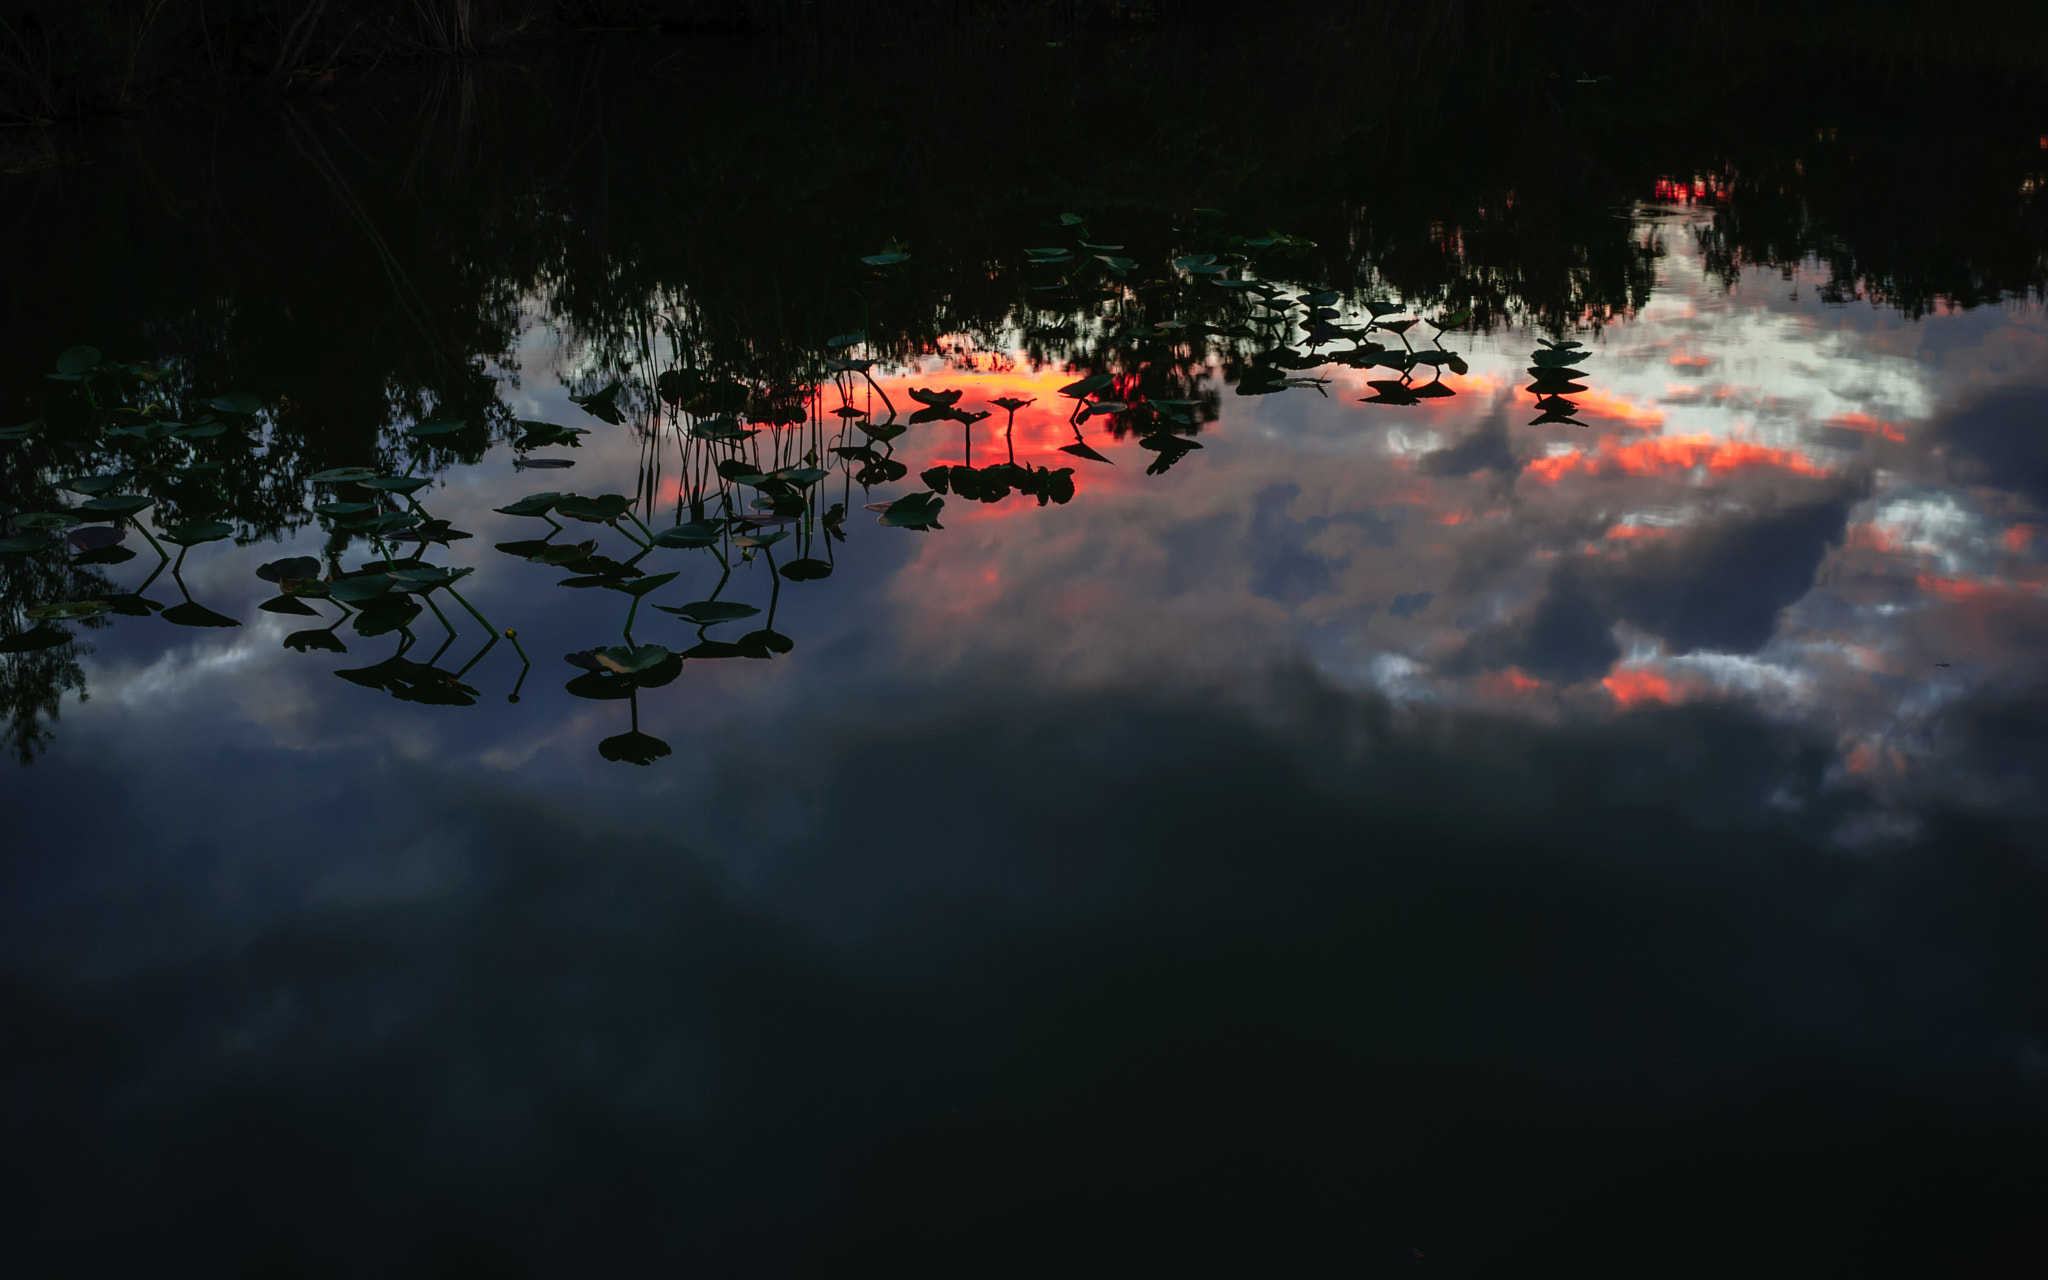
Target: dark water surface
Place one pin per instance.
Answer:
(1502, 733)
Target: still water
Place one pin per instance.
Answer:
(1120, 734)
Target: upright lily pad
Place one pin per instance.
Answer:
(916, 511)
(304, 641)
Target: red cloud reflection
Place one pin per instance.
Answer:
(1665, 455)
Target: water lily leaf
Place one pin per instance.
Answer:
(302, 641)
(633, 747)
(637, 587)
(885, 259)
(538, 504)
(1081, 450)
(1558, 346)
(762, 540)
(427, 577)
(77, 360)
(916, 511)
(239, 403)
(188, 614)
(840, 340)
(118, 506)
(628, 659)
(936, 399)
(697, 533)
(379, 524)
(360, 589)
(1559, 359)
(34, 640)
(804, 477)
(1087, 386)
(722, 427)
(67, 610)
(93, 486)
(396, 484)
(1073, 220)
(20, 431)
(335, 510)
(709, 613)
(99, 537)
(1556, 382)
(288, 604)
(1432, 391)
(561, 554)
(602, 509)
(1012, 403)
(141, 431)
(806, 570)
(438, 427)
(1121, 266)
(47, 520)
(385, 615)
(764, 644)
(1456, 319)
(342, 475)
(837, 365)
(204, 431)
(542, 464)
(193, 532)
(1103, 406)
(714, 649)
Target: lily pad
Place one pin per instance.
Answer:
(438, 427)
(193, 532)
(67, 610)
(633, 747)
(538, 504)
(117, 506)
(564, 553)
(342, 475)
(290, 605)
(1087, 386)
(360, 589)
(189, 614)
(46, 520)
(24, 542)
(391, 613)
(885, 259)
(334, 510)
(289, 567)
(697, 533)
(630, 659)
(602, 509)
(77, 360)
(304, 641)
(396, 484)
(239, 403)
(916, 511)
(637, 587)
(806, 570)
(709, 613)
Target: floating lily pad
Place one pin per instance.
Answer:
(342, 475)
(396, 484)
(360, 589)
(564, 553)
(438, 427)
(193, 532)
(806, 570)
(630, 659)
(602, 509)
(20, 543)
(288, 604)
(67, 610)
(885, 259)
(46, 520)
(117, 506)
(637, 587)
(336, 510)
(697, 533)
(289, 567)
(1087, 386)
(633, 747)
(764, 644)
(709, 613)
(189, 614)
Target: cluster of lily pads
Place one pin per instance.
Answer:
(758, 457)
(1554, 375)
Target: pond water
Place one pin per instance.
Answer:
(917, 711)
